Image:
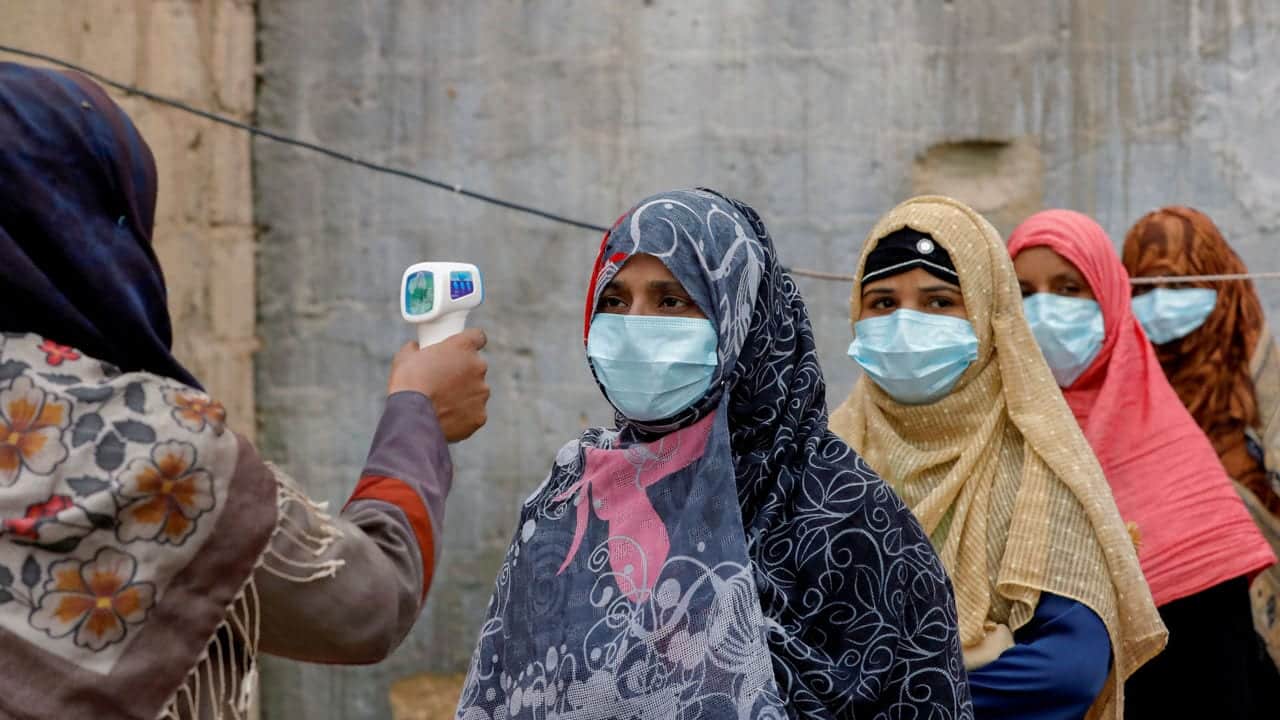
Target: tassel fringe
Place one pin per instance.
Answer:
(221, 685)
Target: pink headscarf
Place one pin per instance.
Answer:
(1166, 477)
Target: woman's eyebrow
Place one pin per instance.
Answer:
(877, 291)
(940, 288)
(667, 286)
(1068, 277)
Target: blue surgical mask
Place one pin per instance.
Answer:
(652, 367)
(1168, 314)
(915, 357)
(1069, 331)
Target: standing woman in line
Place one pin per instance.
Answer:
(719, 554)
(1214, 345)
(1197, 543)
(970, 429)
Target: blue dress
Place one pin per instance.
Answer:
(1054, 672)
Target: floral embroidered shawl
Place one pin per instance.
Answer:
(128, 539)
(637, 587)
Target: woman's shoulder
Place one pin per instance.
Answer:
(854, 496)
(847, 519)
(66, 373)
(132, 477)
(69, 418)
(860, 487)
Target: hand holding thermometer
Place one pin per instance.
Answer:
(436, 296)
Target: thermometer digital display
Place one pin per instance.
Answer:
(436, 296)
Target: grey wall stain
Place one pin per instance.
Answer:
(1002, 179)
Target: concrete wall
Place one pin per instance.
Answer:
(201, 52)
(822, 115)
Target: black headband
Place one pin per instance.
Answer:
(905, 250)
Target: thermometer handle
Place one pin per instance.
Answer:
(430, 333)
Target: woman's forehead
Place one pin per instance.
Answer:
(915, 278)
(644, 273)
(1045, 258)
(644, 267)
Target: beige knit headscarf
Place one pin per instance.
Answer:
(998, 472)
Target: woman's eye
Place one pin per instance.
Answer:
(674, 303)
(1069, 290)
(941, 302)
(1026, 291)
(611, 302)
(883, 303)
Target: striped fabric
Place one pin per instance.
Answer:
(407, 499)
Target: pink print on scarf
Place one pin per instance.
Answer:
(614, 484)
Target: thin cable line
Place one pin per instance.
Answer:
(1144, 280)
(1154, 280)
(820, 275)
(323, 150)
(458, 189)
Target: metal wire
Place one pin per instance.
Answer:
(313, 147)
(1145, 280)
(1154, 280)
(482, 197)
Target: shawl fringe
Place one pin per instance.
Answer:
(221, 684)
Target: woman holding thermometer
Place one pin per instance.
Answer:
(147, 552)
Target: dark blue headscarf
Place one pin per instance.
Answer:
(77, 207)
(738, 561)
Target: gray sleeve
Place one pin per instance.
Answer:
(410, 446)
(348, 589)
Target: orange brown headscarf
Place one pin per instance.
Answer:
(1209, 368)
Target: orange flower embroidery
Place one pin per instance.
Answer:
(56, 354)
(1135, 534)
(194, 411)
(28, 526)
(163, 495)
(96, 600)
(31, 425)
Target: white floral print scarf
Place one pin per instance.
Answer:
(127, 537)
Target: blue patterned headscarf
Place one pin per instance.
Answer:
(77, 206)
(636, 587)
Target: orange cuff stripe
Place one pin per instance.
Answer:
(399, 493)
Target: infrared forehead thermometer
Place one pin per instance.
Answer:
(436, 296)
